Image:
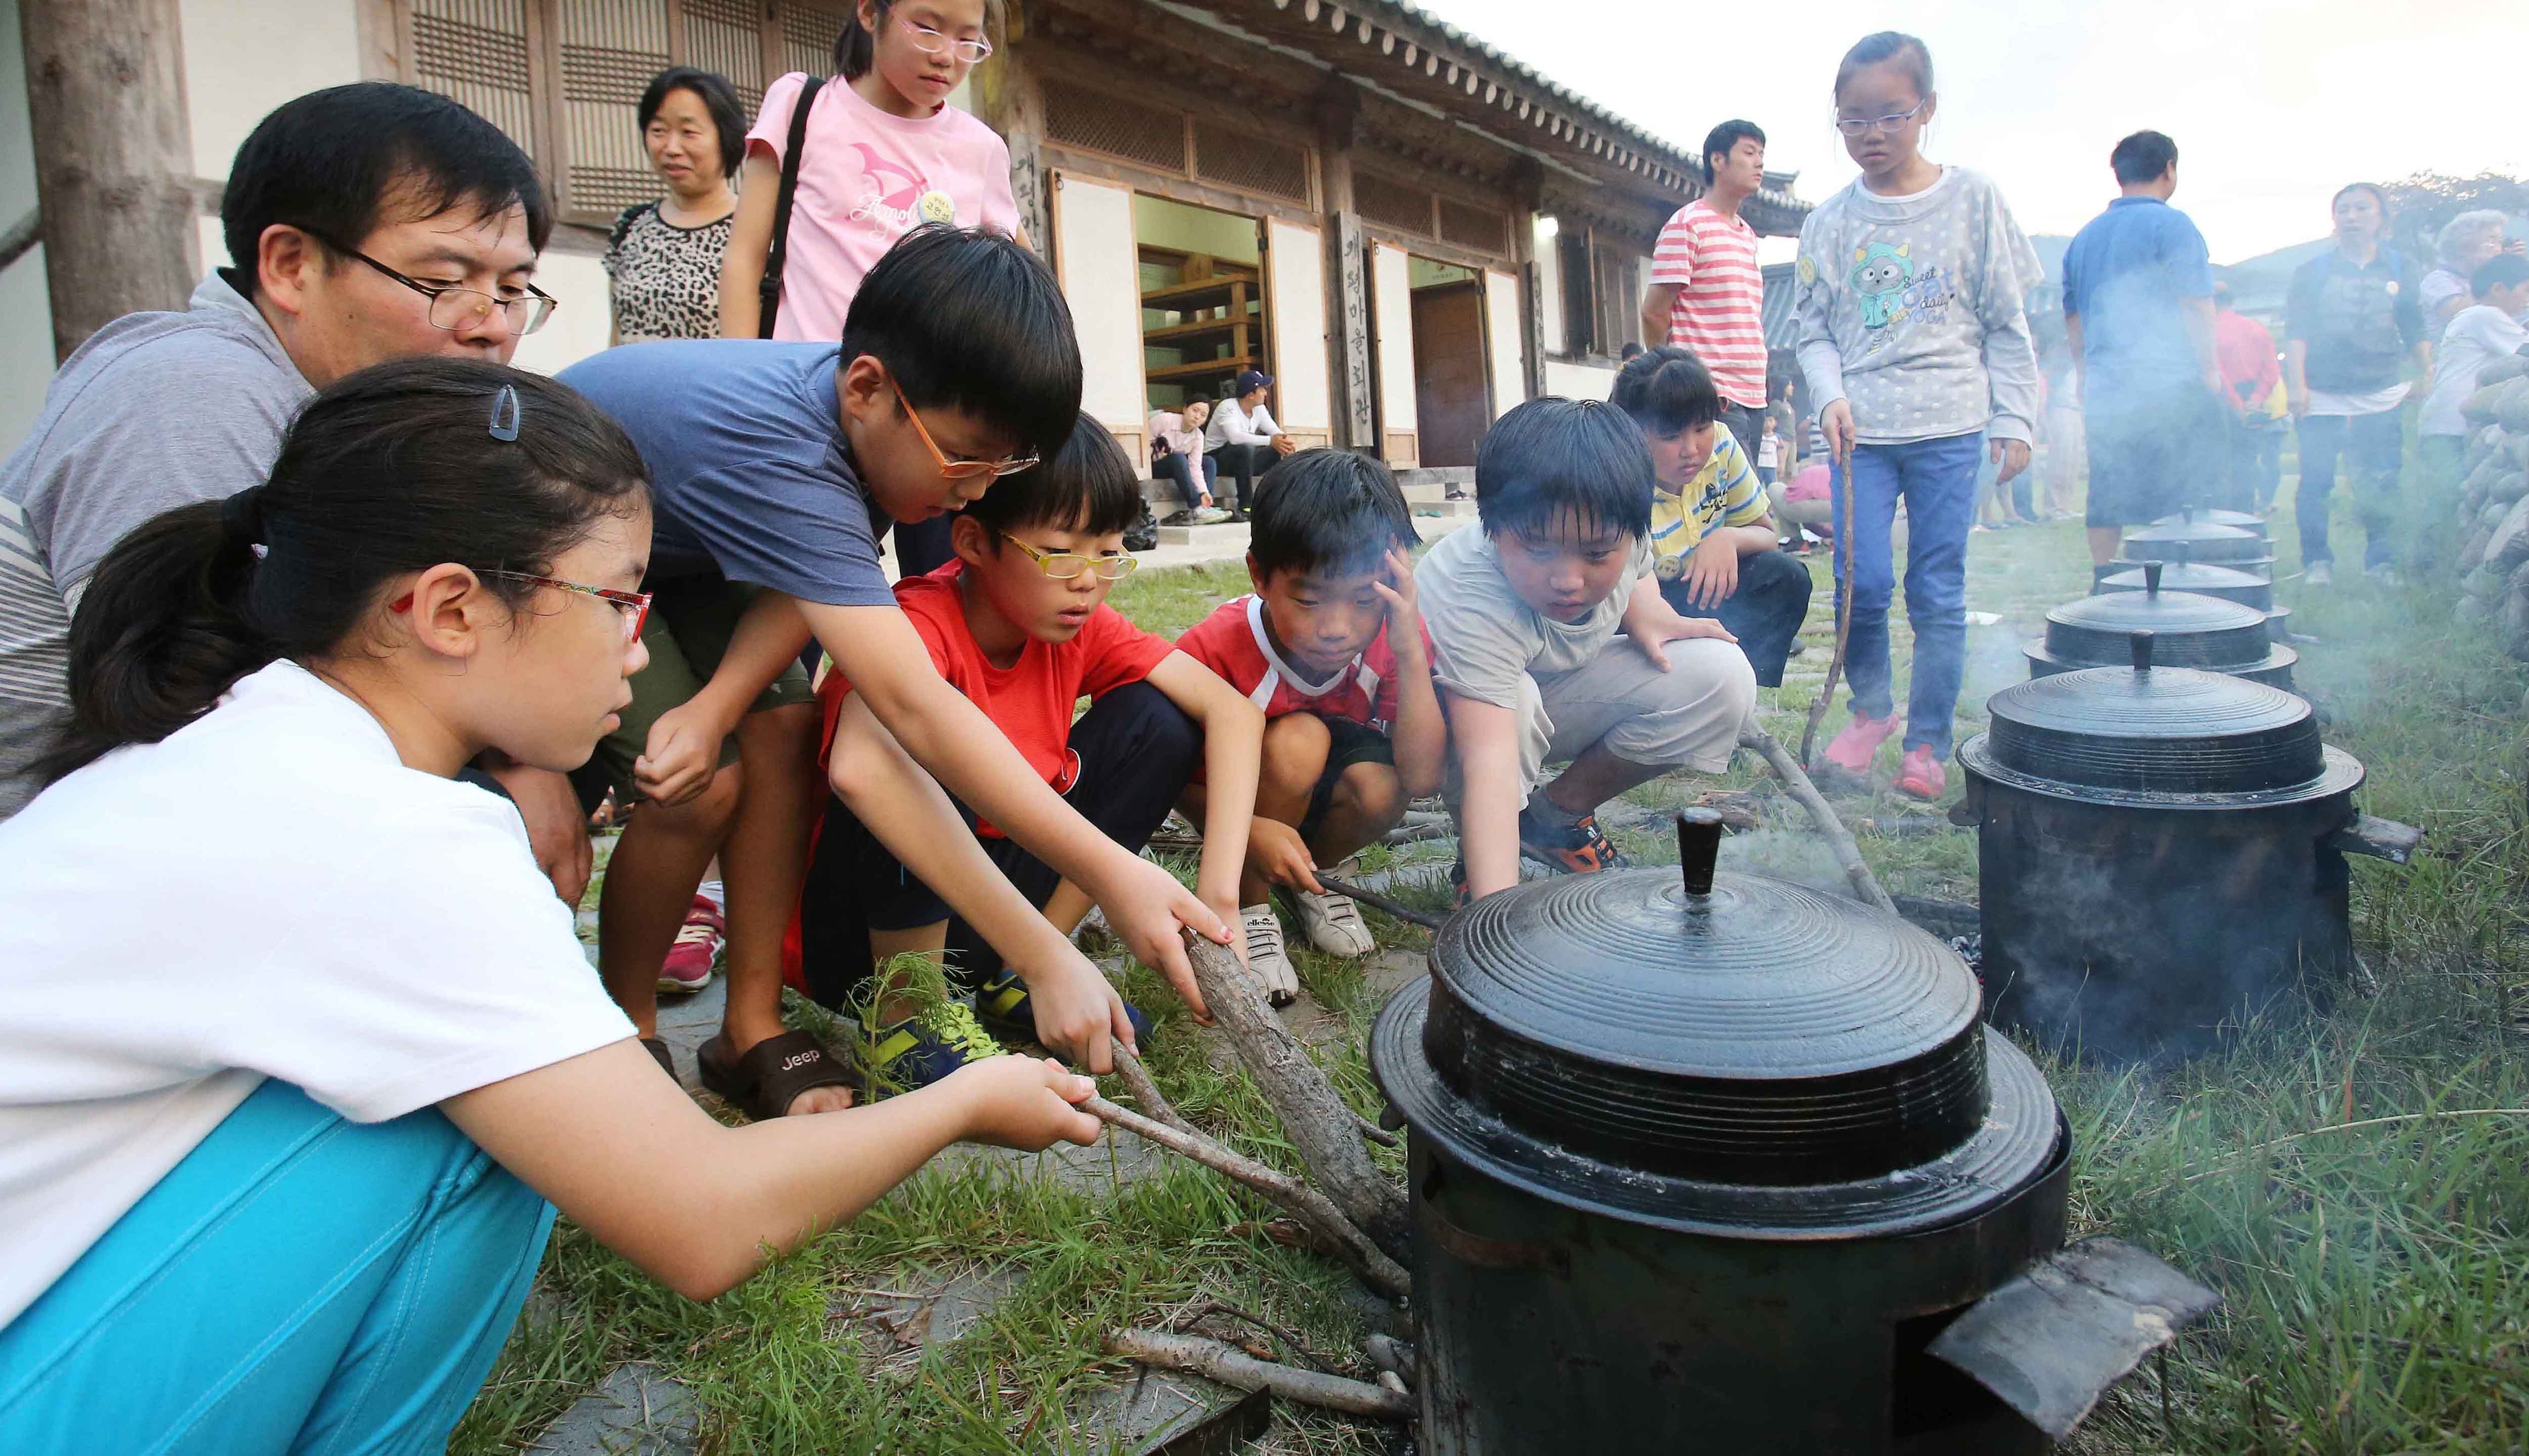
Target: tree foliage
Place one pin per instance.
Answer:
(2419, 205)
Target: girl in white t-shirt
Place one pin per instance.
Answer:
(300, 1040)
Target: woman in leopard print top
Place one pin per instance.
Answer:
(664, 257)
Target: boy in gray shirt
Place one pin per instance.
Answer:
(1525, 615)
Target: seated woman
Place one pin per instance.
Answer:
(1176, 454)
(299, 1041)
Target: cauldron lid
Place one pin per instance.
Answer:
(2162, 730)
(2188, 630)
(2186, 576)
(2189, 530)
(1727, 1028)
(2199, 516)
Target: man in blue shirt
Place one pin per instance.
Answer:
(2138, 316)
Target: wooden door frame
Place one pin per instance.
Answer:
(1135, 437)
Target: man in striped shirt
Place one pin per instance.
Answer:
(1705, 292)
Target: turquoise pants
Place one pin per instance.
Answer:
(298, 1283)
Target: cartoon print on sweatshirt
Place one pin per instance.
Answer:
(1889, 291)
(896, 196)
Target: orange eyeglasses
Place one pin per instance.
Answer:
(959, 470)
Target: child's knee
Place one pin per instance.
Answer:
(1708, 678)
(1295, 752)
(1374, 792)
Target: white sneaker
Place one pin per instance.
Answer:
(1334, 924)
(2318, 574)
(1266, 956)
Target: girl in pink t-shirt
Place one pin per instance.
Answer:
(885, 153)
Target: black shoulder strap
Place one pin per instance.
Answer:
(768, 292)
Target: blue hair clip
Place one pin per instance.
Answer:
(505, 414)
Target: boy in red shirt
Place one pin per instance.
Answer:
(1331, 646)
(1019, 624)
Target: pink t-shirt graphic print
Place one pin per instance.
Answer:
(868, 177)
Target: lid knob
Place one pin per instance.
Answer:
(2151, 579)
(2143, 651)
(2179, 548)
(1698, 846)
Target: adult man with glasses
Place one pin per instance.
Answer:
(368, 222)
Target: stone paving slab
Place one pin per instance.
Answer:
(919, 1308)
(1146, 1411)
(636, 1411)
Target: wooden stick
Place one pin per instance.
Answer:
(1283, 1189)
(1321, 1124)
(1847, 853)
(1377, 901)
(1146, 1093)
(1843, 615)
(1215, 1361)
(1211, 1307)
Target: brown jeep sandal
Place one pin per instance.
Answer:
(763, 1083)
(658, 1048)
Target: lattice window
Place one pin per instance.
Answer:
(1076, 116)
(1383, 200)
(1468, 226)
(728, 36)
(610, 50)
(808, 36)
(1250, 163)
(475, 51)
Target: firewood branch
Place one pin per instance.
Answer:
(1796, 780)
(1215, 1361)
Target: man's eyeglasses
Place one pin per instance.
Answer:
(457, 309)
(632, 606)
(933, 43)
(1854, 126)
(1067, 565)
(958, 469)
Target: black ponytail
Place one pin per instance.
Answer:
(389, 470)
(856, 49)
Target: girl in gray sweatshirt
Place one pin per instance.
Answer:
(1914, 337)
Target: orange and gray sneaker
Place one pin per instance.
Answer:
(1854, 747)
(1921, 776)
(1578, 850)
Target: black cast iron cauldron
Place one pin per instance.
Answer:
(2228, 583)
(2200, 542)
(1706, 1164)
(2187, 632)
(2162, 856)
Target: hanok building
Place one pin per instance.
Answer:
(1409, 229)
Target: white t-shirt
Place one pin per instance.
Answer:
(269, 892)
(1484, 637)
(1231, 425)
(2477, 335)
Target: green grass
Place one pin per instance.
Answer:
(2356, 1186)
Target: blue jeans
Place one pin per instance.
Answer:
(2373, 444)
(299, 1283)
(1937, 480)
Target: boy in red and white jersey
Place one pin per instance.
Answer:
(1331, 646)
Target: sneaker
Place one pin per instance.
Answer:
(923, 1048)
(1334, 924)
(1921, 776)
(2318, 574)
(2383, 575)
(1854, 747)
(1266, 956)
(1578, 850)
(1209, 515)
(1003, 1005)
(688, 966)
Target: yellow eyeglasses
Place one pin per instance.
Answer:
(1067, 565)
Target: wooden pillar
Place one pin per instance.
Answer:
(114, 159)
(1009, 100)
(1527, 200)
(1355, 425)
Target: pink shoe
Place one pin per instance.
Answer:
(1921, 776)
(688, 966)
(1853, 749)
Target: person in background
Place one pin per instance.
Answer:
(1177, 454)
(2351, 319)
(1242, 437)
(884, 152)
(1705, 291)
(1713, 538)
(287, 1141)
(2463, 244)
(1525, 613)
(2252, 378)
(663, 258)
(1629, 352)
(1769, 453)
(368, 222)
(1331, 646)
(2068, 464)
(2138, 320)
(1804, 502)
(1019, 627)
(1914, 337)
(2490, 329)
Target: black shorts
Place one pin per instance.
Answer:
(1347, 743)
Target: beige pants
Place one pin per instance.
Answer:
(1686, 716)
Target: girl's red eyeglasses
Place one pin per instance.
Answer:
(633, 605)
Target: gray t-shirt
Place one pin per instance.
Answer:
(155, 410)
(1484, 638)
(1915, 309)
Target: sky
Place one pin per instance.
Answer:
(2273, 106)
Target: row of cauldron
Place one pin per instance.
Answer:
(1715, 1163)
